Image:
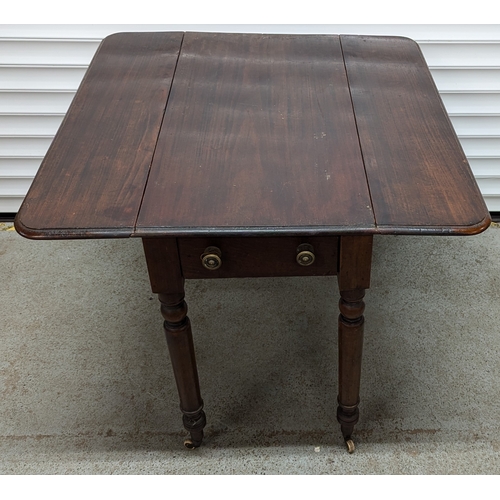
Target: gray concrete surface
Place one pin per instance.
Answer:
(86, 384)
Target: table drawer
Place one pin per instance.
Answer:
(232, 257)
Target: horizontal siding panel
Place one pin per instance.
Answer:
(471, 103)
(53, 52)
(466, 79)
(425, 32)
(472, 53)
(481, 146)
(35, 102)
(14, 186)
(10, 204)
(24, 146)
(41, 66)
(41, 78)
(490, 187)
(476, 125)
(485, 167)
(492, 202)
(29, 124)
(19, 167)
(86, 31)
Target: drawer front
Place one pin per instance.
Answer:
(258, 257)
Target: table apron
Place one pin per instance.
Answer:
(259, 256)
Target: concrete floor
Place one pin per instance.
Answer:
(87, 388)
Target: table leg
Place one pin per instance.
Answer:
(166, 280)
(354, 278)
(180, 345)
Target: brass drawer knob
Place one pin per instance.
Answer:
(305, 254)
(211, 258)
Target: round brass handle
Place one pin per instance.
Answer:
(211, 258)
(305, 254)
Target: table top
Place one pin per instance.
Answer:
(254, 134)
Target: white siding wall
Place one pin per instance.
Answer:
(41, 67)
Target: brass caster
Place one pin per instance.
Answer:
(350, 445)
(190, 444)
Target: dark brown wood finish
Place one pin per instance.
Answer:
(419, 177)
(269, 142)
(92, 179)
(355, 257)
(239, 153)
(166, 278)
(259, 257)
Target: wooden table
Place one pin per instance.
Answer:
(244, 155)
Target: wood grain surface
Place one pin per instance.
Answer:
(92, 179)
(254, 135)
(418, 174)
(259, 136)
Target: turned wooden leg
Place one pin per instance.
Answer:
(166, 280)
(351, 322)
(180, 345)
(354, 277)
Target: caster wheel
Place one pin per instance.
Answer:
(190, 444)
(350, 445)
